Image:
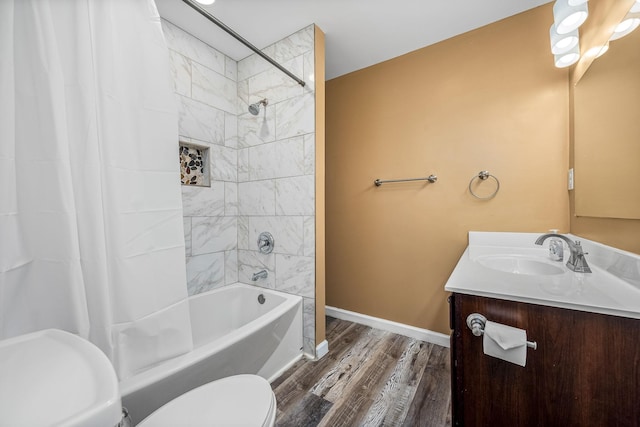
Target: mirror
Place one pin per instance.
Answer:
(607, 133)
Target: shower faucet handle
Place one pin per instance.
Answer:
(266, 242)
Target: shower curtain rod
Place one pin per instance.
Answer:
(242, 40)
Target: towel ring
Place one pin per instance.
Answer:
(483, 176)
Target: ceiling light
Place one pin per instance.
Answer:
(206, 1)
(569, 17)
(627, 25)
(561, 43)
(569, 58)
(576, 2)
(636, 7)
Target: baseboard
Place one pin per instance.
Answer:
(388, 325)
(322, 349)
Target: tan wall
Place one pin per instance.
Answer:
(320, 184)
(619, 233)
(489, 99)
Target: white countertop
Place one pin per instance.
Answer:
(612, 288)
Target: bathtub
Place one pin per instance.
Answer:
(232, 334)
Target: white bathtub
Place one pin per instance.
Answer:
(232, 334)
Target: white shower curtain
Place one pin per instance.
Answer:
(91, 236)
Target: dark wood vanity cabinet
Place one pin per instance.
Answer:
(585, 371)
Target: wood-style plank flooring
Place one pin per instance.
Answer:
(369, 378)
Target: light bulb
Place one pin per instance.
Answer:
(561, 43)
(625, 27)
(597, 51)
(569, 17)
(568, 58)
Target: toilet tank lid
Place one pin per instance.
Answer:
(237, 400)
(53, 377)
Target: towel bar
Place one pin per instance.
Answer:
(430, 178)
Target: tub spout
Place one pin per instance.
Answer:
(262, 274)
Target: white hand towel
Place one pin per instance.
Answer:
(505, 342)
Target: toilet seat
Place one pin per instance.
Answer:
(240, 400)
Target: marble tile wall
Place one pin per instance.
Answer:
(262, 167)
(276, 172)
(205, 83)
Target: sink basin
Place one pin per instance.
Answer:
(516, 264)
(52, 377)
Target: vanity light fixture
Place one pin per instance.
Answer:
(630, 22)
(206, 1)
(568, 58)
(562, 43)
(568, 15)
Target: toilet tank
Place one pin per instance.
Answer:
(52, 377)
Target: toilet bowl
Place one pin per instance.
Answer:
(73, 384)
(241, 400)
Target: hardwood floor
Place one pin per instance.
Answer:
(369, 378)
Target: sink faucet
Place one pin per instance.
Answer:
(262, 274)
(577, 262)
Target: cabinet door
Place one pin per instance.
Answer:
(585, 372)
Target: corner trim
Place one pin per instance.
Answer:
(390, 326)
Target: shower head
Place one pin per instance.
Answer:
(255, 108)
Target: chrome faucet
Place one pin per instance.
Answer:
(577, 262)
(262, 274)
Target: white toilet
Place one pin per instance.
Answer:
(55, 378)
(241, 400)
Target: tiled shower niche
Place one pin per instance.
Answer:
(194, 165)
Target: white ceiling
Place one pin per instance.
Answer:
(359, 33)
